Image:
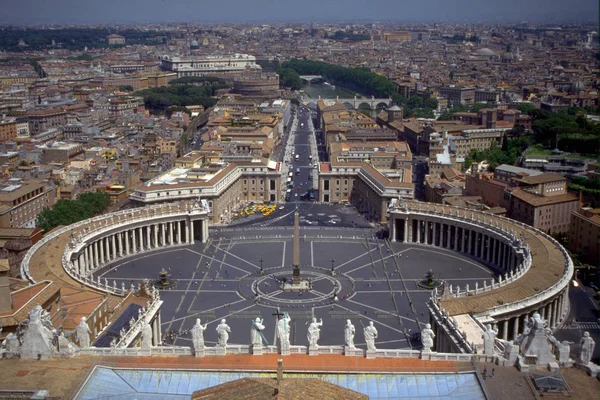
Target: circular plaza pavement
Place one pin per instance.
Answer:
(374, 280)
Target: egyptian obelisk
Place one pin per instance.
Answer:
(296, 260)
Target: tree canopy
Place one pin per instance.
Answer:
(161, 98)
(507, 154)
(66, 212)
(289, 78)
(360, 79)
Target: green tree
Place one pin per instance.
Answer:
(66, 212)
(126, 88)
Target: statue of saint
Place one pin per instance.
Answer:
(223, 331)
(427, 336)
(489, 338)
(587, 345)
(314, 332)
(83, 333)
(371, 334)
(198, 334)
(146, 337)
(256, 337)
(283, 330)
(349, 331)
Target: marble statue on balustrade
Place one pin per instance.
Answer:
(349, 332)
(587, 346)
(223, 331)
(563, 349)
(65, 347)
(283, 331)
(37, 338)
(314, 332)
(83, 333)
(489, 339)
(11, 343)
(371, 334)
(146, 337)
(198, 335)
(427, 337)
(256, 335)
(535, 342)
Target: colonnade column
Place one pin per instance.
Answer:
(406, 230)
(179, 231)
(133, 241)
(516, 327)
(419, 231)
(505, 329)
(192, 232)
(155, 228)
(455, 248)
(102, 244)
(434, 233)
(205, 230)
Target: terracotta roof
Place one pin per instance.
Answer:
(265, 388)
(537, 200)
(542, 178)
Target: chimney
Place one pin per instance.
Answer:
(279, 376)
(5, 296)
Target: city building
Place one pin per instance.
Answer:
(584, 234)
(115, 39)
(368, 175)
(223, 66)
(225, 186)
(22, 200)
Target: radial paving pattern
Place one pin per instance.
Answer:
(373, 280)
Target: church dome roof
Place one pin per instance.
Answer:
(486, 52)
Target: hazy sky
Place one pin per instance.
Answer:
(16, 12)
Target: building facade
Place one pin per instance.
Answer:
(209, 65)
(584, 234)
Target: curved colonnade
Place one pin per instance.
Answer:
(94, 243)
(533, 269)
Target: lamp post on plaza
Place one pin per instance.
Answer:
(332, 266)
(261, 266)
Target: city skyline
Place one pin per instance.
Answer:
(34, 12)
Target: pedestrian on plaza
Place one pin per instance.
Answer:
(484, 373)
(493, 372)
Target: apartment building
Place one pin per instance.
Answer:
(22, 200)
(209, 65)
(8, 130)
(368, 175)
(584, 234)
(225, 186)
(44, 120)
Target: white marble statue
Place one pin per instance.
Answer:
(37, 338)
(256, 337)
(562, 348)
(283, 331)
(489, 338)
(314, 332)
(427, 336)
(198, 334)
(371, 334)
(587, 345)
(65, 347)
(146, 337)
(223, 331)
(83, 333)
(349, 332)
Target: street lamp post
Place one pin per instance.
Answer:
(261, 266)
(332, 266)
